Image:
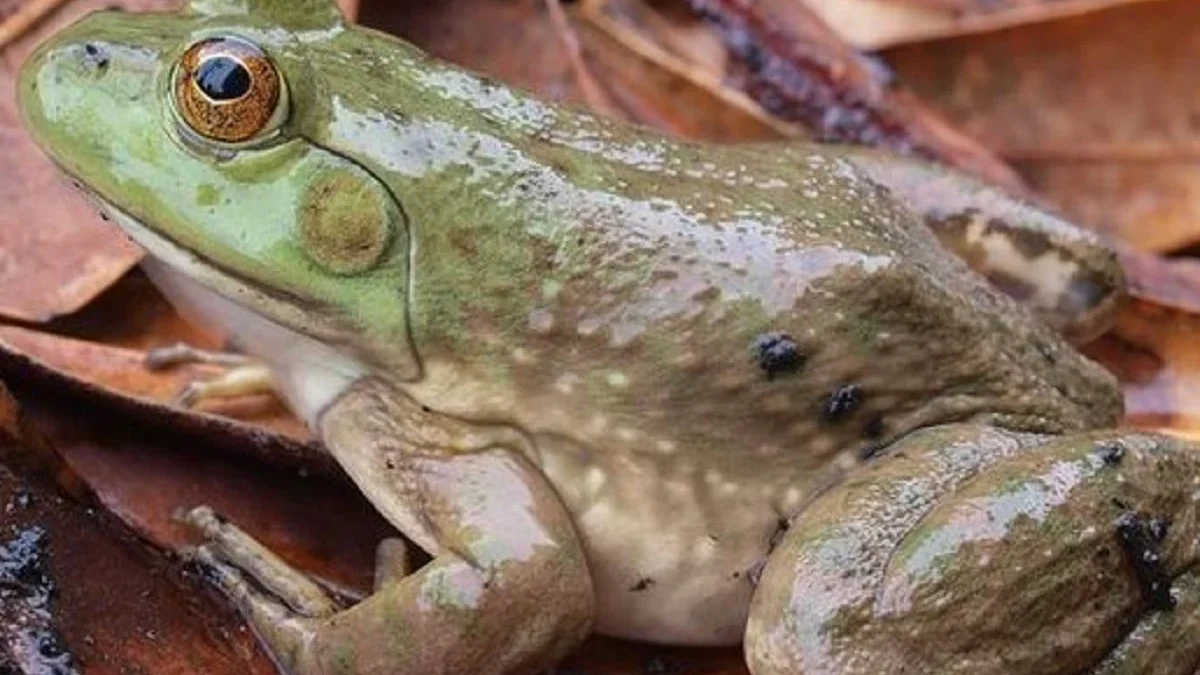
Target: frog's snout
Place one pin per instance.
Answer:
(87, 92)
(58, 65)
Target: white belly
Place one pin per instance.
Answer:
(671, 546)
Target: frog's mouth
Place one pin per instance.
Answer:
(310, 374)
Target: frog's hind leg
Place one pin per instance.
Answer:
(981, 551)
(1066, 274)
(243, 376)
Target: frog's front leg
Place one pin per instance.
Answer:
(243, 375)
(508, 589)
(973, 550)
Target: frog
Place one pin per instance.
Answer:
(820, 401)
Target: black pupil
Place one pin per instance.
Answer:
(223, 79)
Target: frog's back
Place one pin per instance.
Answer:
(724, 304)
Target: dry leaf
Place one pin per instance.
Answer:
(878, 24)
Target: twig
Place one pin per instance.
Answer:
(595, 96)
(29, 14)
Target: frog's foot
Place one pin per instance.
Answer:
(244, 376)
(229, 551)
(282, 629)
(1065, 274)
(975, 550)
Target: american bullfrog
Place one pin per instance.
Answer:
(818, 400)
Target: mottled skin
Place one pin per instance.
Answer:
(602, 376)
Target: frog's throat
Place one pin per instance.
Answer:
(309, 373)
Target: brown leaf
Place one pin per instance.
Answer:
(801, 72)
(87, 596)
(515, 42)
(115, 371)
(1099, 112)
(877, 24)
(55, 252)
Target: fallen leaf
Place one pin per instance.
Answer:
(878, 24)
(83, 595)
(1098, 112)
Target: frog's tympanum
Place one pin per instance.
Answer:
(818, 400)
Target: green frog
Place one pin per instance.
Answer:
(821, 401)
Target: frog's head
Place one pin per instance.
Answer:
(193, 131)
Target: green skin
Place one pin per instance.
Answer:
(527, 334)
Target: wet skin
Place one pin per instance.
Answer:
(817, 399)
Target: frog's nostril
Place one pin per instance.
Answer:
(95, 57)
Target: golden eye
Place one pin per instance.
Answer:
(228, 90)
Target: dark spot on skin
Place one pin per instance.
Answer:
(1111, 453)
(103, 216)
(777, 353)
(781, 527)
(425, 409)
(842, 403)
(1141, 550)
(95, 57)
(1120, 504)
(389, 463)
(641, 585)
(661, 665)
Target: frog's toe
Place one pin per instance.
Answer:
(245, 380)
(285, 632)
(943, 560)
(392, 562)
(169, 356)
(243, 376)
(237, 552)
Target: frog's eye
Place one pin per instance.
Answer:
(229, 90)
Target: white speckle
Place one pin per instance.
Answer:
(847, 460)
(791, 497)
(617, 380)
(566, 383)
(588, 326)
(666, 447)
(627, 434)
(541, 321)
(521, 355)
(703, 548)
(597, 424)
(712, 477)
(593, 480)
